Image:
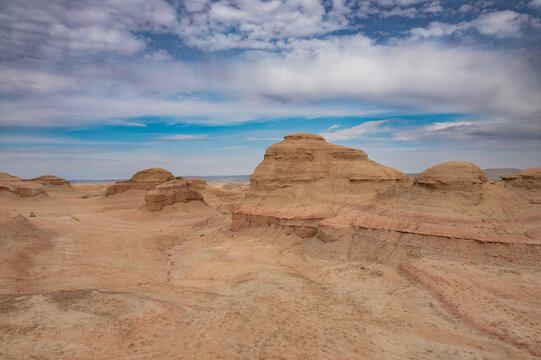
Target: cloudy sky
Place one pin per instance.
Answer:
(99, 89)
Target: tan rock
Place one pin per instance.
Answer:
(169, 193)
(304, 172)
(460, 175)
(22, 188)
(196, 183)
(5, 176)
(526, 184)
(51, 180)
(143, 180)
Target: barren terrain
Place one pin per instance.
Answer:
(89, 276)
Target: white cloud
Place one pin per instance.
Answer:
(257, 24)
(58, 28)
(535, 3)
(354, 132)
(504, 23)
(418, 76)
(182, 137)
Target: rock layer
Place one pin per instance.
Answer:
(306, 176)
(143, 180)
(22, 189)
(171, 192)
(51, 180)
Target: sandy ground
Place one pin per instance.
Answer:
(89, 277)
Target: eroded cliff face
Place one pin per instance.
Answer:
(360, 209)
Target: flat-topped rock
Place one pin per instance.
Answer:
(303, 136)
(142, 180)
(153, 175)
(171, 192)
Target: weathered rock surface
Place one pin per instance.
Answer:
(171, 192)
(459, 175)
(315, 189)
(304, 176)
(5, 176)
(51, 180)
(143, 180)
(22, 188)
(197, 183)
(526, 183)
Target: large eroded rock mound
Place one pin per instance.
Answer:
(171, 192)
(365, 210)
(143, 180)
(306, 174)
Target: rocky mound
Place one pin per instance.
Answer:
(196, 183)
(5, 176)
(22, 188)
(305, 174)
(143, 180)
(460, 175)
(169, 193)
(51, 180)
(526, 184)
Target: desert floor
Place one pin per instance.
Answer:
(84, 276)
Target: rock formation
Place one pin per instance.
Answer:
(196, 183)
(526, 183)
(143, 180)
(51, 180)
(169, 193)
(5, 176)
(10, 184)
(304, 176)
(452, 175)
(314, 189)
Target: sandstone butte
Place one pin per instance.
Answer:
(315, 189)
(143, 180)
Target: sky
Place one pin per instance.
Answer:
(100, 89)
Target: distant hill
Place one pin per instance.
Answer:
(493, 174)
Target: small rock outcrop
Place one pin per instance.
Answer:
(143, 180)
(10, 184)
(7, 177)
(526, 183)
(51, 180)
(197, 183)
(460, 175)
(171, 192)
